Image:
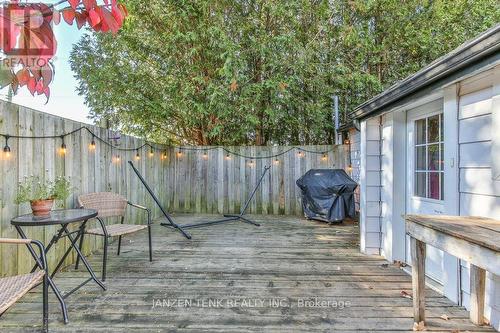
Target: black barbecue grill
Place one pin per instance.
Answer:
(327, 194)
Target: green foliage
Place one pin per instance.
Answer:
(261, 72)
(33, 188)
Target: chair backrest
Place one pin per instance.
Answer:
(107, 204)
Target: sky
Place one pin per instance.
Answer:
(64, 100)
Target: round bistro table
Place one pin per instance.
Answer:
(62, 218)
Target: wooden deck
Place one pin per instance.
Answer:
(240, 278)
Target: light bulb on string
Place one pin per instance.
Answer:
(205, 155)
(151, 152)
(251, 163)
(137, 155)
(325, 157)
(179, 154)
(92, 143)
(6, 148)
(276, 161)
(164, 155)
(228, 157)
(117, 159)
(63, 149)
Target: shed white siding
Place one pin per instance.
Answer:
(355, 146)
(479, 192)
(370, 208)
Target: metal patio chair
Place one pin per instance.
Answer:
(110, 204)
(12, 288)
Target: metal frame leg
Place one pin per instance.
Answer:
(150, 244)
(45, 296)
(84, 261)
(54, 239)
(243, 219)
(104, 258)
(167, 216)
(119, 244)
(51, 283)
(120, 237)
(80, 247)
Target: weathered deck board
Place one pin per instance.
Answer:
(285, 259)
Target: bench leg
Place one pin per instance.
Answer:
(477, 292)
(418, 279)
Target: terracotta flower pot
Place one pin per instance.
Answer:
(42, 208)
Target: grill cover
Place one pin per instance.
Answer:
(327, 194)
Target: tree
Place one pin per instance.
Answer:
(261, 72)
(27, 43)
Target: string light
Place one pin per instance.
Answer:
(93, 146)
(325, 157)
(346, 141)
(63, 146)
(92, 143)
(349, 167)
(6, 149)
(276, 161)
(251, 163)
(164, 155)
(117, 159)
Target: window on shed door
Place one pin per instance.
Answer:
(429, 153)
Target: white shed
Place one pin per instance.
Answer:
(430, 144)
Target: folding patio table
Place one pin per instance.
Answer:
(63, 218)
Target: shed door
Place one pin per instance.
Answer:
(425, 179)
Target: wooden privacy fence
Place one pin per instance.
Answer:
(190, 179)
(213, 181)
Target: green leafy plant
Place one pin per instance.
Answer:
(33, 188)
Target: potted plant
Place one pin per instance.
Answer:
(42, 193)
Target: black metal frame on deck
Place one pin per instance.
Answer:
(232, 217)
(227, 217)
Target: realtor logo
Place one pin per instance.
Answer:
(26, 34)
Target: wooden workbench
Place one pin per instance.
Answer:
(473, 239)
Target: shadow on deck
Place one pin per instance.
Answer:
(289, 275)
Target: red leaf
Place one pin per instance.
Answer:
(32, 85)
(47, 75)
(117, 15)
(39, 87)
(14, 85)
(109, 20)
(56, 16)
(81, 18)
(37, 73)
(123, 9)
(74, 3)
(94, 17)
(89, 4)
(68, 15)
(46, 91)
(23, 76)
